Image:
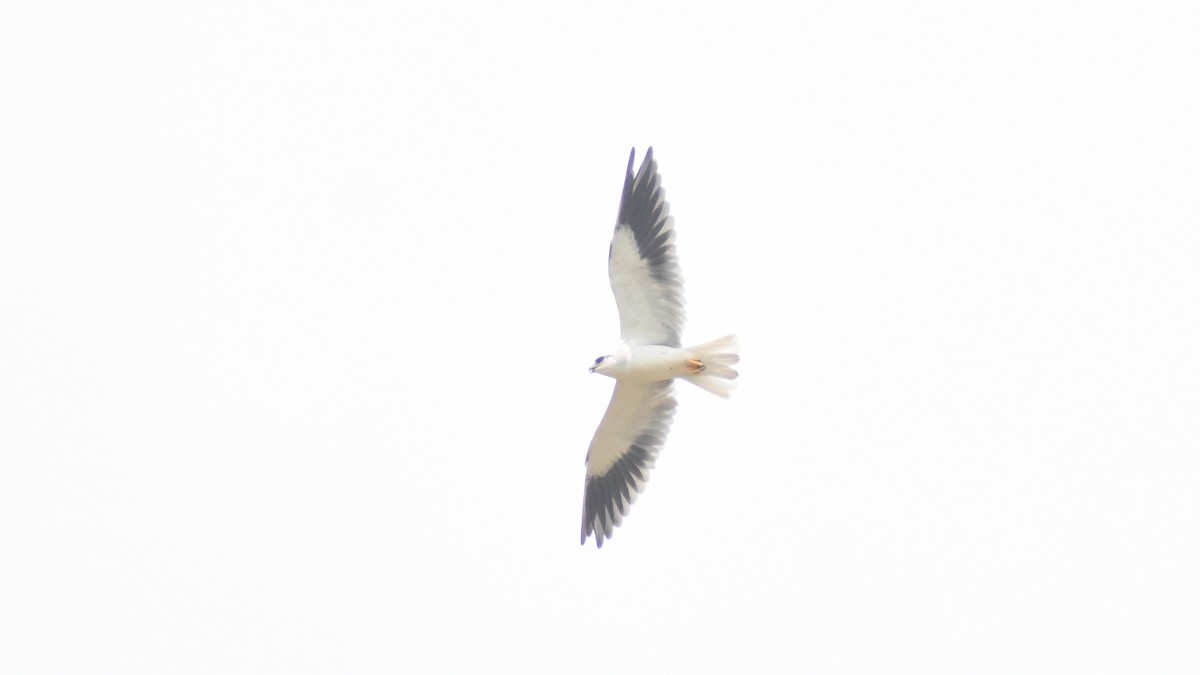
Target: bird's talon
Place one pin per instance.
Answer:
(695, 366)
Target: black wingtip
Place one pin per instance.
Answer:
(648, 169)
(599, 534)
(649, 157)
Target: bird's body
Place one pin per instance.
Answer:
(646, 282)
(644, 363)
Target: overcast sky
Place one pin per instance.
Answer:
(298, 301)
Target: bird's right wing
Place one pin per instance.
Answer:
(622, 453)
(642, 267)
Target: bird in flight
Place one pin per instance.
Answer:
(644, 274)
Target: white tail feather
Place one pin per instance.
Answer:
(718, 357)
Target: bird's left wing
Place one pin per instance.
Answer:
(622, 453)
(642, 267)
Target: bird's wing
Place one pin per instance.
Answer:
(622, 453)
(642, 266)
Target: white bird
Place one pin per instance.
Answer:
(645, 278)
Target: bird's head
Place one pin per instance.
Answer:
(611, 364)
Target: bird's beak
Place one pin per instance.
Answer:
(592, 369)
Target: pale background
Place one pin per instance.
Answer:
(298, 301)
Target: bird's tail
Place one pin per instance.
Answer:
(713, 365)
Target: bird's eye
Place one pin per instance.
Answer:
(599, 359)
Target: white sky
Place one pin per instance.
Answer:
(298, 301)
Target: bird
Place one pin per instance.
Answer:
(644, 273)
